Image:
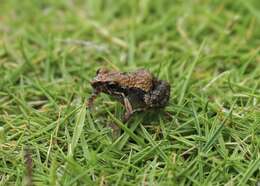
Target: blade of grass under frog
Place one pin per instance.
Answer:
(121, 141)
(136, 138)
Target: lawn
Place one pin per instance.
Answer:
(209, 134)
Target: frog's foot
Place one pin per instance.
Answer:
(128, 115)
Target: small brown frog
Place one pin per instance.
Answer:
(137, 91)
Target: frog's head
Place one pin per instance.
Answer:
(104, 78)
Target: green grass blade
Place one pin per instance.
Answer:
(253, 166)
(78, 128)
(127, 130)
(188, 77)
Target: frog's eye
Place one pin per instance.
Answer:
(97, 72)
(102, 71)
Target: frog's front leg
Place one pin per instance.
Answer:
(127, 104)
(129, 110)
(92, 98)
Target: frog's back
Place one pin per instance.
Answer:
(141, 79)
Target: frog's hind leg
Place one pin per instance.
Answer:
(159, 96)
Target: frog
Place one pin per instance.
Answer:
(137, 90)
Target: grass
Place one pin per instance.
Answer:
(207, 50)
